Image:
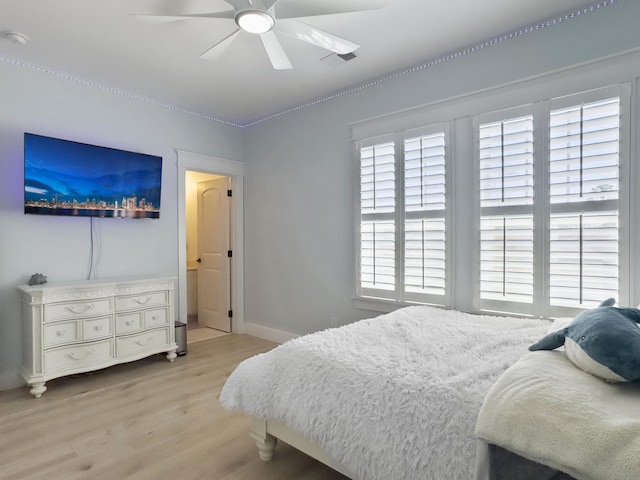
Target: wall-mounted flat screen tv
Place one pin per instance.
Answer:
(62, 177)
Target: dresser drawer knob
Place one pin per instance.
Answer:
(142, 343)
(80, 308)
(97, 328)
(61, 333)
(75, 356)
(129, 323)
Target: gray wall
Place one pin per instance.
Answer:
(299, 252)
(40, 103)
(299, 232)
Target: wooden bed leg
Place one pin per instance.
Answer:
(265, 442)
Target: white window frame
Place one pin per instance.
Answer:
(542, 208)
(382, 294)
(502, 115)
(399, 296)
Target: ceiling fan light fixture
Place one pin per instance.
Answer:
(255, 21)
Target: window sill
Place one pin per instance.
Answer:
(379, 305)
(383, 305)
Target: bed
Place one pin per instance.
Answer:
(392, 397)
(426, 393)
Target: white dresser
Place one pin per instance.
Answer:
(83, 326)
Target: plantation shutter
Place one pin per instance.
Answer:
(506, 185)
(584, 147)
(542, 210)
(377, 219)
(424, 222)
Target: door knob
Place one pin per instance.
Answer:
(199, 260)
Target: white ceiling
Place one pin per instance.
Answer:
(100, 42)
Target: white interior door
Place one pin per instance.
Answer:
(214, 269)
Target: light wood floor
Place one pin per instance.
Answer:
(150, 419)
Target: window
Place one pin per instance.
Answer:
(549, 205)
(424, 211)
(504, 202)
(377, 225)
(402, 241)
(583, 192)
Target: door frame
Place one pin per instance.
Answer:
(228, 168)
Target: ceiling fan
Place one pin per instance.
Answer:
(265, 17)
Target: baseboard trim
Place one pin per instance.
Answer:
(11, 380)
(270, 334)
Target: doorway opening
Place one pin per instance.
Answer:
(208, 221)
(210, 242)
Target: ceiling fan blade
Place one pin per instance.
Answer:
(240, 5)
(326, 7)
(269, 3)
(219, 48)
(175, 18)
(274, 50)
(316, 36)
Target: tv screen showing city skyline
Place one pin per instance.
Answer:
(63, 177)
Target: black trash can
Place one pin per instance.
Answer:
(181, 338)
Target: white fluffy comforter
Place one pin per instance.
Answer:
(393, 397)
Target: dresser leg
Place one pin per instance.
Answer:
(171, 356)
(37, 389)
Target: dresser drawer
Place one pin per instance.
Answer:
(150, 299)
(158, 317)
(60, 333)
(59, 311)
(94, 328)
(128, 322)
(77, 355)
(142, 342)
